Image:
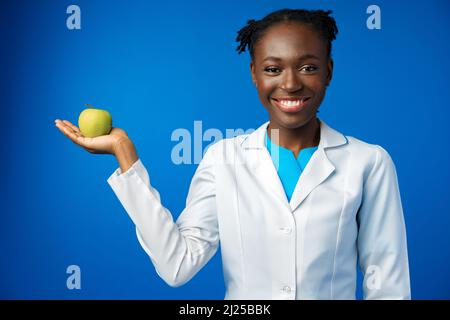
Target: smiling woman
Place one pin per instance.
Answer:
(350, 187)
(291, 67)
(294, 204)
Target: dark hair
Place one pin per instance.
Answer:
(319, 20)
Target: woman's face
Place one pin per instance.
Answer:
(291, 65)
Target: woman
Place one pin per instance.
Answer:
(294, 204)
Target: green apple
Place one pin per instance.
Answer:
(94, 122)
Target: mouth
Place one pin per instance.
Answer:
(291, 104)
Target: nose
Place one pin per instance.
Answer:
(291, 81)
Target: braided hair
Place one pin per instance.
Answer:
(319, 20)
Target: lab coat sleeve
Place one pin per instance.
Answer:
(178, 250)
(382, 246)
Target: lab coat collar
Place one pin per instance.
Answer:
(319, 167)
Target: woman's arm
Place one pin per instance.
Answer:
(382, 246)
(125, 153)
(178, 250)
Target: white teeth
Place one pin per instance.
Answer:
(290, 103)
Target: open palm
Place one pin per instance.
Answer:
(101, 144)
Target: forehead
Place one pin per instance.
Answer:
(290, 40)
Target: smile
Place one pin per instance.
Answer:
(291, 104)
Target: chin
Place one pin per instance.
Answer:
(292, 121)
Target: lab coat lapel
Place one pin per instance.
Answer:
(258, 160)
(319, 167)
(268, 177)
(316, 171)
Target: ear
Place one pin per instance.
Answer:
(252, 71)
(329, 71)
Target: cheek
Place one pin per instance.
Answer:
(318, 88)
(266, 88)
(263, 98)
(316, 83)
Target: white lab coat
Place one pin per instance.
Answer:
(346, 205)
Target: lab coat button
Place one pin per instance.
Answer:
(287, 289)
(286, 230)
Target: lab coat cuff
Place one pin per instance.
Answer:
(136, 167)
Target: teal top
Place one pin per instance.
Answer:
(288, 167)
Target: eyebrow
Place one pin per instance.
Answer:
(304, 57)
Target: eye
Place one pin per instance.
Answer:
(272, 69)
(309, 69)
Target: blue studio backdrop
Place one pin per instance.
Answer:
(159, 66)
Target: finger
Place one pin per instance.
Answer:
(70, 128)
(69, 133)
(73, 127)
(63, 128)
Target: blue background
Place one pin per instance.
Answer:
(159, 66)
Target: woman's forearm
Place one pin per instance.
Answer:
(125, 153)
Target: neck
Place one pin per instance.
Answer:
(296, 139)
